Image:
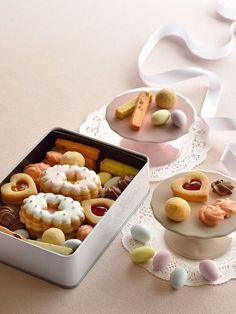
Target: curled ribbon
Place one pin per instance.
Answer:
(210, 103)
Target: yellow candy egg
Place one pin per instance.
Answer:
(142, 254)
(104, 177)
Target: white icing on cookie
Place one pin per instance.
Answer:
(77, 182)
(67, 210)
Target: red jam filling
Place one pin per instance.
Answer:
(99, 210)
(20, 186)
(192, 186)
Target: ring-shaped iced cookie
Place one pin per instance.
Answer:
(80, 183)
(45, 210)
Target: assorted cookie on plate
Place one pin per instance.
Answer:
(195, 186)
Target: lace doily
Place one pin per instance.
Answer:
(194, 151)
(225, 263)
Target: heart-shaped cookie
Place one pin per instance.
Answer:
(193, 186)
(21, 185)
(95, 209)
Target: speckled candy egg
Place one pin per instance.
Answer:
(161, 260)
(209, 270)
(178, 277)
(140, 232)
(179, 118)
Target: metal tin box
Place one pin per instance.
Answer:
(68, 271)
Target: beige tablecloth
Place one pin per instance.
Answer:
(61, 60)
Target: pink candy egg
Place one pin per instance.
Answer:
(161, 260)
(209, 270)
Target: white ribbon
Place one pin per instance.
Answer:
(210, 103)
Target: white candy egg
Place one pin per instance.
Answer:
(140, 232)
(179, 118)
(112, 182)
(72, 243)
(161, 260)
(178, 277)
(209, 270)
(23, 232)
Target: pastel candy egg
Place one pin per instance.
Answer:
(178, 277)
(160, 117)
(112, 182)
(23, 232)
(142, 254)
(179, 118)
(140, 232)
(104, 177)
(72, 243)
(209, 270)
(161, 260)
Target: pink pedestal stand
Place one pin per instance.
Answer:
(162, 144)
(158, 153)
(191, 238)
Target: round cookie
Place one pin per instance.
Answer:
(53, 158)
(83, 231)
(80, 183)
(45, 210)
(166, 98)
(177, 209)
(35, 171)
(53, 236)
(9, 217)
(72, 158)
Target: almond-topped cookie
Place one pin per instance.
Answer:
(193, 186)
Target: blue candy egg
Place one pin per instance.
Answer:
(178, 277)
(140, 232)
